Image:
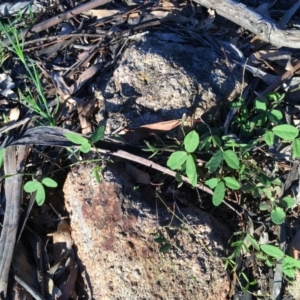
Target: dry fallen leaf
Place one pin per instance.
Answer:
(62, 241)
(131, 135)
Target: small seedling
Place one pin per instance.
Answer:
(185, 160)
(85, 143)
(37, 187)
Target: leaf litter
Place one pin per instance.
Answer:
(68, 62)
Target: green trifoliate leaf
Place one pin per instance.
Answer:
(214, 162)
(260, 104)
(296, 148)
(278, 215)
(216, 140)
(32, 186)
(231, 159)
(269, 138)
(49, 182)
(76, 138)
(40, 195)
(177, 159)
(275, 115)
(212, 183)
(289, 272)
(290, 262)
(264, 206)
(190, 169)
(98, 134)
(86, 147)
(288, 202)
(232, 183)
(219, 194)
(191, 141)
(286, 131)
(272, 251)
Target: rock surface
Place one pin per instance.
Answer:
(159, 80)
(114, 228)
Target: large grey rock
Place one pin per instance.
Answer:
(158, 80)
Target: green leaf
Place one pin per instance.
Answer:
(272, 251)
(264, 206)
(165, 248)
(269, 138)
(49, 182)
(260, 119)
(219, 194)
(190, 169)
(252, 241)
(289, 272)
(217, 140)
(296, 148)
(278, 215)
(231, 159)
(98, 134)
(177, 159)
(160, 239)
(86, 147)
(40, 195)
(260, 256)
(191, 141)
(214, 162)
(275, 116)
(286, 131)
(212, 183)
(95, 173)
(204, 143)
(288, 202)
(232, 183)
(290, 262)
(2, 152)
(31, 186)
(76, 138)
(260, 104)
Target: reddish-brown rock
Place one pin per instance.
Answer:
(114, 226)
